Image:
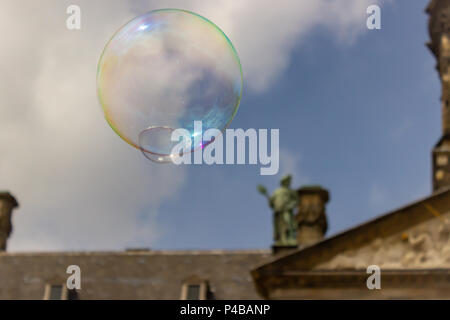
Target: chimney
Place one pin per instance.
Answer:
(7, 204)
(439, 31)
(311, 217)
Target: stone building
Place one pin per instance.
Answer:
(411, 245)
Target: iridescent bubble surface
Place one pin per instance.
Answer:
(164, 70)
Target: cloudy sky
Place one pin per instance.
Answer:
(358, 112)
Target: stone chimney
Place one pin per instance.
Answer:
(439, 30)
(311, 217)
(7, 204)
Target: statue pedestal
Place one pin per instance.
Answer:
(277, 249)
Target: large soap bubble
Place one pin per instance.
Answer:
(164, 70)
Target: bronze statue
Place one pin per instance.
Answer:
(283, 201)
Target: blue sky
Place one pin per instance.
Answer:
(358, 112)
(360, 119)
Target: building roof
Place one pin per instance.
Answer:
(131, 274)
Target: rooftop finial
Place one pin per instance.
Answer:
(7, 204)
(439, 30)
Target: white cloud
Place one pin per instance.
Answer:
(265, 32)
(78, 184)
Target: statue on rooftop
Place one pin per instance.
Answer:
(283, 201)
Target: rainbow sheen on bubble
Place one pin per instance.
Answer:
(164, 70)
